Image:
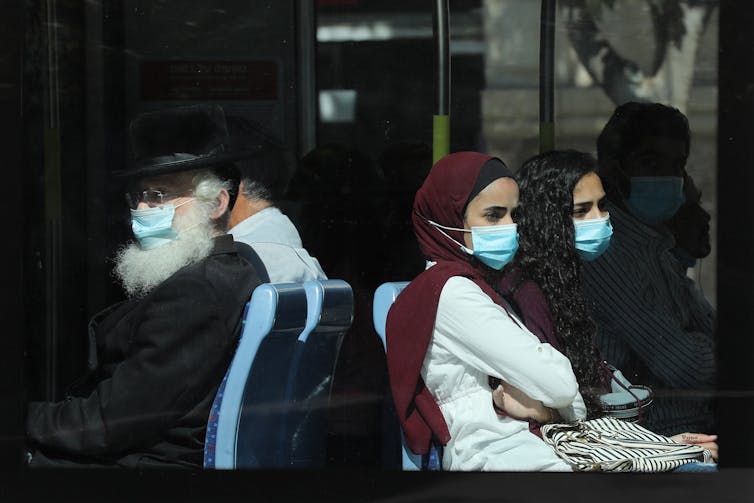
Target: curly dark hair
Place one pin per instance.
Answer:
(547, 256)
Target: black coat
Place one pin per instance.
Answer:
(160, 360)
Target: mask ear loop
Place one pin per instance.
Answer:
(193, 198)
(190, 200)
(440, 228)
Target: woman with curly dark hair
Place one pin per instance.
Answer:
(548, 263)
(562, 221)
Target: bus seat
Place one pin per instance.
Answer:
(384, 297)
(311, 374)
(249, 407)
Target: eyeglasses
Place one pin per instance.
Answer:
(151, 197)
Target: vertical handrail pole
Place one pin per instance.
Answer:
(441, 117)
(306, 48)
(53, 200)
(547, 76)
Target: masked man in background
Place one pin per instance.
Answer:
(255, 218)
(653, 321)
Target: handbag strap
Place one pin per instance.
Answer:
(611, 370)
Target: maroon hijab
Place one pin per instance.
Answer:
(410, 322)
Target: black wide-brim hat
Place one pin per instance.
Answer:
(181, 139)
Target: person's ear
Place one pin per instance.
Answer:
(222, 207)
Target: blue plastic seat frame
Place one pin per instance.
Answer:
(311, 376)
(384, 297)
(279, 309)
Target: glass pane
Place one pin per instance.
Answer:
(341, 98)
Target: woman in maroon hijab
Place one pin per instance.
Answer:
(449, 330)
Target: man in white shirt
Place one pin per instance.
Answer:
(273, 237)
(256, 221)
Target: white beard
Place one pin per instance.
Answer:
(139, 271)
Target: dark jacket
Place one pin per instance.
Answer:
(160, 360)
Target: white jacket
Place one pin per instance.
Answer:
(474, 338)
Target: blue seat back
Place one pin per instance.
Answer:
(384, 297)
(311, 375)
(250, 405)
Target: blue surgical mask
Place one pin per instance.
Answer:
(592, 237)
(655, 199)
(153, 227)
(494, 245)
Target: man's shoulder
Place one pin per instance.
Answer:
(269, 225)
(286, 263)
(220, 272)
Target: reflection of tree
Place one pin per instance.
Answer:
(677, 26)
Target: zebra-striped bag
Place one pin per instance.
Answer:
(609, 444)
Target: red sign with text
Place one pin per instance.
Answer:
(208, 80)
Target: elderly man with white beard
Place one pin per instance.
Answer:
(160, 355)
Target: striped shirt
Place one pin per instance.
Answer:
(654, 324)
